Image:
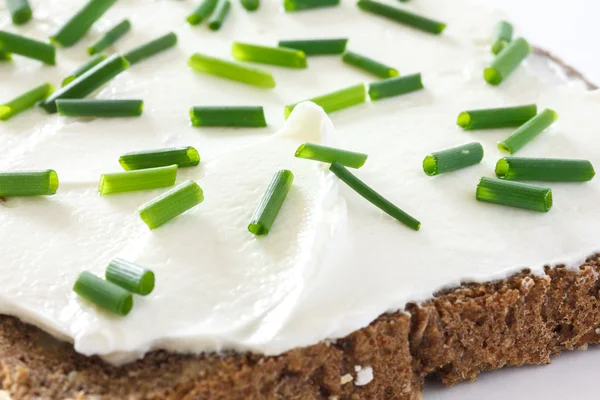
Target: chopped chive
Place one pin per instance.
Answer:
(218, 16)
(131, 277)
(5, 56)
(230, 70)
(143, 179)
(28, 183)
(89, 64)
(99, 108)
(151, 48)
(103, 293)
(337, 100)
(299, 5)
(373, 197)
(88, 82)
(76, 27)
(544, 169)
(180, 156)
(395, 86)
(204, 9)
(529, 130)
(248, 117)
(269, 206)
(369, 65)
(316, 47)
(110, 37)
(317, 152)
(453, 159)
(514, 194)
(25, 101)
(401, 16)
(502, 36)
(269, 55)
(490, 118)
(507, 61)
(26, 47)
(250, 5)
(171, 204)
(20, 11)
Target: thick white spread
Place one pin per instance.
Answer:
(333, 262)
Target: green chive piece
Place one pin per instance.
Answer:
(507, 61)
(269, 206)
(89, 64)
(20, 11)
(28, 183)
(143, 179)
(110, 37)
(76, 27)
(251, 5)
(491, 118)
(317, 152)
(17, 44)
(395, 86)
(337, 100)
(25, 101)
(167, 206)
(529, 130)
(299, 5)
(5, 56)
(373, 197)
(88, 82)
(99, 108)
(219, 15)
(316, 47)
(131, 277)
(401, 16)
(204, 9)
(369, 65)
(104, 294)
(180, 156)
(230, 70)
(151, 48)
(269, 55)
(544, 169)
(247, 117)
(453, 159)
(502, 36)
(514, 194)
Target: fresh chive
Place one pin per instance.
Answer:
(89, 64)
(76, 27)
(26, 47)
(218, 16)
(151, 48)
(529, 130)
(316, 47)
(103, 293)
(25, 101)
(299, 5)
(269, 206)
(502, 36)
(230, 70)
(369, 65)
(143, 179)
(99, 108)
(317, 152)
(204, 9)
(20, 11)
(453, 159)
(337, 100)
(5, 56)
(28, 183)
(395, 86)
(248, 117)
(490, 118)
(180, 156)
(507, 61)
(544, 169)
(514, 194)
(251, 5)
(88, 82)
(373, 197)
(401, 16)
(269, 55)
(110, 37)
(131, 277)
(171, 204)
